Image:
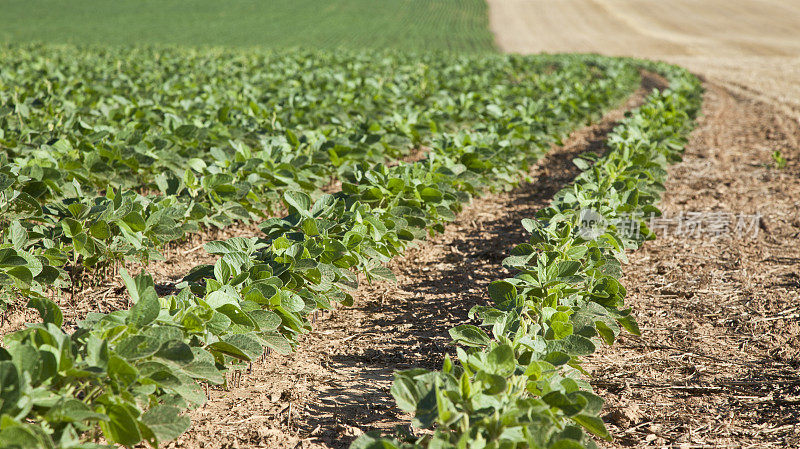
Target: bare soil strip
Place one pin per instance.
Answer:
(336, 386)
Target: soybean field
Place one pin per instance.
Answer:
(356, 224)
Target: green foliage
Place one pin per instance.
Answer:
(421, 25)
(484, 120)
(100, 166)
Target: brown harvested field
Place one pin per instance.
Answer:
(718, 364)
(751, 47)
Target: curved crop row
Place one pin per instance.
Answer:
(520, 385)
(128, 374)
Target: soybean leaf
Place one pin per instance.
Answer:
(121, 427)
(165, 422)
(48, 310)
(469, 335)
